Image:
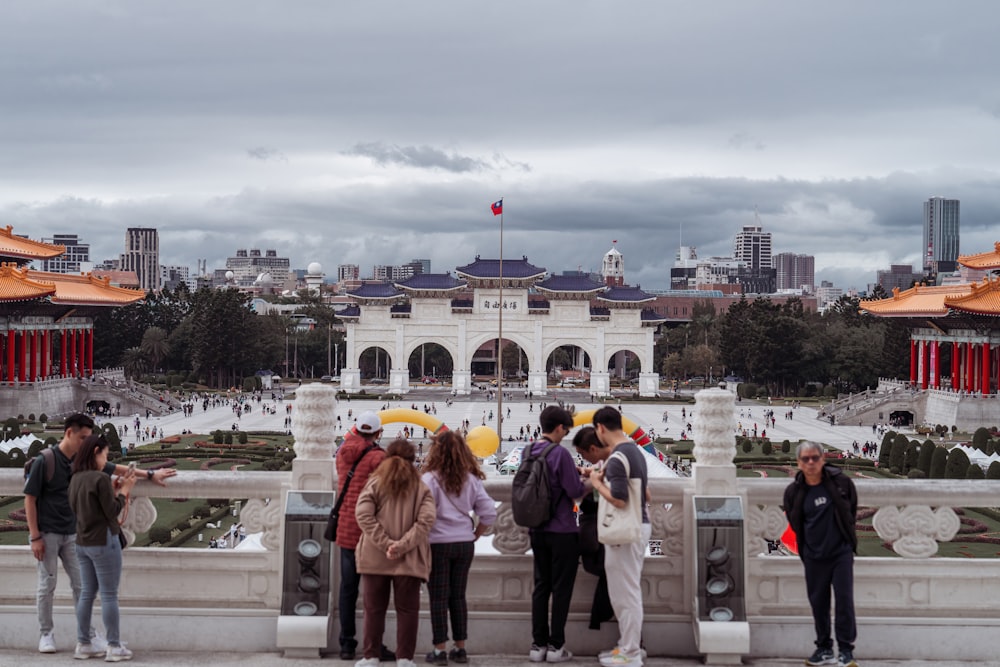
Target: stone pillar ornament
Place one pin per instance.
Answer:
(314, 421)
(714, 442)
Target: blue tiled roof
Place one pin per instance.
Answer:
(650, 315)
(376, 291)
(625, 293)
(490, 268)
(568, 284)
(350, 311)
(433, 281)
(400, 308)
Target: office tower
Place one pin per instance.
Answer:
(940, 234)
(142, 255)
(76, 259)
(348, 272)
(753, 247)
(795, 271)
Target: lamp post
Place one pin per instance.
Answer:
(336, 358)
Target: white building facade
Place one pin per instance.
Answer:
(539, 314)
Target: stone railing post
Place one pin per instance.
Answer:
(714, 443)
(314, 424)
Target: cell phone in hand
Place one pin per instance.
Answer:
(131, 466)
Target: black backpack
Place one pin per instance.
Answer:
(531, 497)
(50, 464)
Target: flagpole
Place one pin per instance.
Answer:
(500, 347)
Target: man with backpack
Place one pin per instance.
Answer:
(555, 540)
(52, 524)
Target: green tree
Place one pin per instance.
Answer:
(957, 466)
(155, 346)
(980, 438)
(911, 458)
(974, 472)
(926, 453)
(993, 472)
(939, 461)
(134, 362)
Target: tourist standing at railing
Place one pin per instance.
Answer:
(360, 446)
(624, 463)
(555, 545)
(97, 501)
(821, 505)
(452, 473)
(51, 524)
(395, 512)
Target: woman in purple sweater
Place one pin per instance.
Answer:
(452, 473)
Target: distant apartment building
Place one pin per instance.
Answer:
(898, 275)
(683, 272)
(827, 294)
(425, 264)
(348, 272)
(172, 276)
(795, 272)
(941, 234)
(248, 265)
(76, 259)
(142, 255)
(394, 272)
(752, 246)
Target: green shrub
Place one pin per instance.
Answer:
(228, 438)
(766, 448)
(916, 473)
(201, 511)
(249, 384)
(747, 446)
(747, 389)
(924, 459)
(994, 471)
(974, 472)
(31, 416)
(980, 437)
(786, 447)
(911, 457)
(159, 534)
(957, 466)
(241, 437)
(217, 437)
(939, 460)
(43, 418)
(829, 391)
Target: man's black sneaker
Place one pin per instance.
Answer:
(846, 659)
(347, 654)
(458, 655)
(436, 657)
(822, 656)
(387, 655)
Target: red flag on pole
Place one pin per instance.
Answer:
(497, 207)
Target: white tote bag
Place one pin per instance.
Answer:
(621, 526)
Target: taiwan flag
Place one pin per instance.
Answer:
(497, 207)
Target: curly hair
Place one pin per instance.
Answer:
(452, 460)
(397, 474)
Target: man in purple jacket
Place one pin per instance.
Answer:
(555, 545)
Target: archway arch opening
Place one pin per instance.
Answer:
(430, 363)
(515, 361)
(568, 365)
(374, 363)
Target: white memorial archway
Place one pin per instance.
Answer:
(461, 313)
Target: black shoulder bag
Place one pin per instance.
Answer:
(331, 523)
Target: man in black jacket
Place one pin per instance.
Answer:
(821, 505)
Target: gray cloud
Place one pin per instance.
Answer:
(424, 157)
(263, 153)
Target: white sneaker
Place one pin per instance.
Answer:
(611, 652)
(537, 653)
(403, 662)
(117, 654)
(99, 643)
(47, 643)
(367, 662)
(553, 654)
(85, 651)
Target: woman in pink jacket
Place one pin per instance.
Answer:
(395, 512)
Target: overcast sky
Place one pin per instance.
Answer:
(377, 132)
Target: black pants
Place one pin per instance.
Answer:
(821, 575)
(556, 556)
(348, 599)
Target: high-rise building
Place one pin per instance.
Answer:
(348, 272)
(76, 259)
(753, 247)
(899, 275)
(425, 264)
(397, 271)
(172, 276)
(940, 234)
(795, 272)
(142, 255)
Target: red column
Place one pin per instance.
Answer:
(46, 350)
(32, 356)
(969, 365)
(10, 355)
(23, 357)
(72, 352)
(935, 365)
(984, 380)
(81, 356)
(913, 361)
(90, 351)
(924, 364)
(956, 353)
(62, 353)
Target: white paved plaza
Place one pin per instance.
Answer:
(523, 412)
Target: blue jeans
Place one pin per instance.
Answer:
(348, 602)
(100, 570)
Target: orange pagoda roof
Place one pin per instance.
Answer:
(982, 299)
(918, 301)
(61, 288)
(15, 246)
(984, 260)
(15, 286)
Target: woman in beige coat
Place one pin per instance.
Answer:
(395, 512)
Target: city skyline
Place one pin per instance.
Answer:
(351, 135)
